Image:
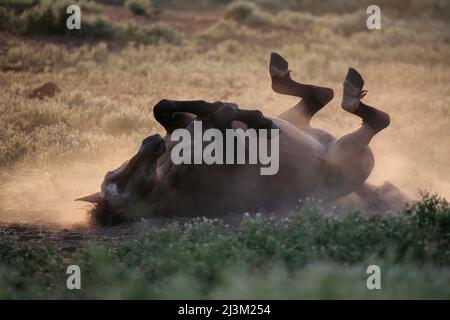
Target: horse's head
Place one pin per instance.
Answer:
(128, 185)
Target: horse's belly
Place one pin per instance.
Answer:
(220, 189)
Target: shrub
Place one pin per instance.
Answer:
(241, 10)
(111, 2)
(18, 5)
(138, 7)
(90, 7)
(153, 34)
(296, 20)
(46, 17)
(4, 19)
(248, 13)
(99, 28)
(50, 18)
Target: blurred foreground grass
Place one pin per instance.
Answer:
(307, 255)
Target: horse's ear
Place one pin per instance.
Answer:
(92, 198)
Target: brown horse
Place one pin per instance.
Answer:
(312, 162)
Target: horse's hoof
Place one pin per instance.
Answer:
(278, 66)
(353, 92)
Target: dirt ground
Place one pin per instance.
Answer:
(69, 240)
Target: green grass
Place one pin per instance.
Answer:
(307, 255)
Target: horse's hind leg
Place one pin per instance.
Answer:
(374, 120)
(350, 160)
(314, 98)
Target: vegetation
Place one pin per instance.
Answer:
(249, 13)
(49, 18)
(111, 74)
(307, 255)
(138, 7)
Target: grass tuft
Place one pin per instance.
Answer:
(139, 7)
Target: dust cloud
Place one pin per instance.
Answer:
(44, 195)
